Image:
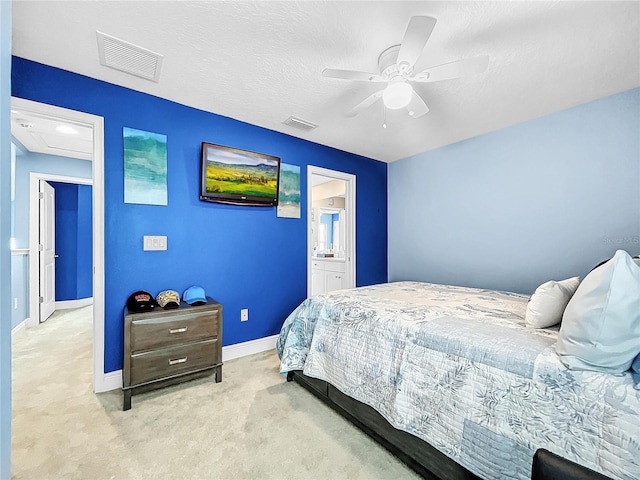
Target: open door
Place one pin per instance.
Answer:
(47, 250)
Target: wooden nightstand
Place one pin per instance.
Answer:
(164, 347)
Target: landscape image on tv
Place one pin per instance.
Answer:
(232, 173)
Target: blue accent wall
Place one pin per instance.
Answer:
(66, 209)
(245, 257)
(85, 242)
(545, 199)
(74, 263)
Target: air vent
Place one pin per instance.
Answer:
(299, 123)
(128, 58)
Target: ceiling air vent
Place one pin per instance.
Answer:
(128, 58)
(299, 123)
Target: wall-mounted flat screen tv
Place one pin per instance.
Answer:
(238, 177)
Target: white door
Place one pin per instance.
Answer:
(47, 248)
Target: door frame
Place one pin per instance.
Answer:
(34, 231)
(350, 224)
(101, 381)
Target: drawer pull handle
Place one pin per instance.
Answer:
(177, 360)
(178, 330)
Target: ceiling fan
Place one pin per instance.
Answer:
(396, 65)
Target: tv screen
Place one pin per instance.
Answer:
(238, 177)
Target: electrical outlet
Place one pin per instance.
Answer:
(244, 314)
(15, 303)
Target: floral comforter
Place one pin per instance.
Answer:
(458, 368)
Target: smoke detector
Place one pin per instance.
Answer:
(24, 123)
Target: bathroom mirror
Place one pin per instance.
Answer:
(330, 228)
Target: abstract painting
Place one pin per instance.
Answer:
(289, 191)
(145, 167)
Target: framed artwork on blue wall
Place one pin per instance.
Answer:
(289, 191)
(145, 167)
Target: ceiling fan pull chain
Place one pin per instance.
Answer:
(384, 116)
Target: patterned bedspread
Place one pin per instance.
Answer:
(458, 368)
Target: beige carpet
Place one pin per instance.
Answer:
(253, 425)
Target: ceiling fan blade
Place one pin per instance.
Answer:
(447, 71)
(351, 75)
(415, 38)
(417, 107)
(367, 102)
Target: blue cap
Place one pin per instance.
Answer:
(194, 296)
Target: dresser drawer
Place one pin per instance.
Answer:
(167, 362)
(152, 332)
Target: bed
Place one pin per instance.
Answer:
(465, 389)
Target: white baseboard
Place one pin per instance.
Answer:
(113, 380)
(68, 304)
(249, 348)
(19, 328)
(110, 381)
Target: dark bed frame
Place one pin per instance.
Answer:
(421, 457)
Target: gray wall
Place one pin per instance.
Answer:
(546, 199)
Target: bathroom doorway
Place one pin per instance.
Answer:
(331, 233)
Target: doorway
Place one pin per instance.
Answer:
(101, 382)
(42, 265)
(331, 230)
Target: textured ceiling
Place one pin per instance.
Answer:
(261, 62)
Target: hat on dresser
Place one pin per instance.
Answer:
(168, 299)
(194, 296)
(140, 301)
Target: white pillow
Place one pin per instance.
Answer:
(547, 304)
(601, 325)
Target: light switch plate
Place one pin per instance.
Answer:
(155, 242)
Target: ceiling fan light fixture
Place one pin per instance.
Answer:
(396, 66)
(397, 95)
